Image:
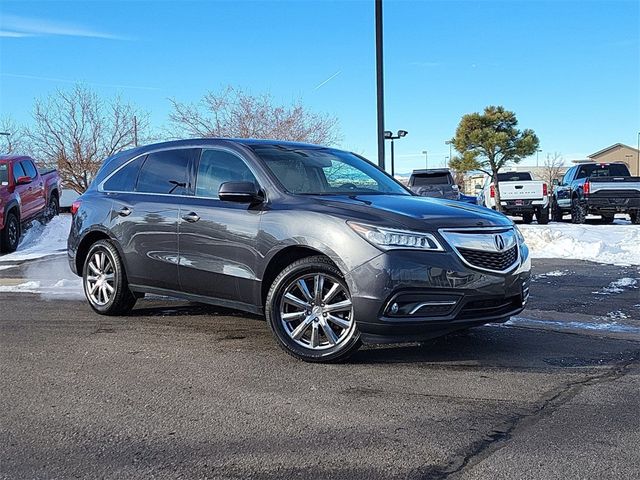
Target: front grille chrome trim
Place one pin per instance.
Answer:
(481, 239)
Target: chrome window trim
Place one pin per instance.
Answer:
(443, 232)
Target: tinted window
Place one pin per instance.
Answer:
(321, 171)
(29, 169)
(604, 170)
(124, 180)
(514, 177)
(567, 176)
(217, 167)
(166, 172)
(432, 179)
(18, 171)
(4, 174)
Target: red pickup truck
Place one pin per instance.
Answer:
(25, 194)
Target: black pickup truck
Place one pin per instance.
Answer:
(598, 188)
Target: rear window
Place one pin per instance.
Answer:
(514, 177)
(4, 174)
(432, 179)
(166, 172)
(603, 170)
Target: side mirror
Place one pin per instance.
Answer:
(23, 180)
(240, 192)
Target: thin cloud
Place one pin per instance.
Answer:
(321, 84)
(65, 80)
(10, 34)
(28, 26)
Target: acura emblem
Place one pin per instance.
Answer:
(499, 241)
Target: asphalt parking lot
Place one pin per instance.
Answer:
(179, 390)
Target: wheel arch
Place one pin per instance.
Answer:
(89, 239)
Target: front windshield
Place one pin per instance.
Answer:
(322, 171)
(4, 174)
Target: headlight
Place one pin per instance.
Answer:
(519, 235)
(387, 239)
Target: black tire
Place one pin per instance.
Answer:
(542, 216)
(556, 212)
(300, 269)
(635, 217)
(53, 208)
(10, 234)
(578, 211)
(607, 219)
(121, 300)
(527, 217)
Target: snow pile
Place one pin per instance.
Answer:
(618, 286)
(613, 244)
(42, 240)
(67, 288)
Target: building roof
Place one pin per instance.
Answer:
(615, 145)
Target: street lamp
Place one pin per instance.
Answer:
(388, 135)
(537, 155)
(426, 158)
(449, 142)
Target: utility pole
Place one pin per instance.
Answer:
(380, 82)
(426, 159)
(449, 142)
(135, 130)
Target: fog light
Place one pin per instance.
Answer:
(394, 308)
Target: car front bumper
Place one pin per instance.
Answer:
(435, 293)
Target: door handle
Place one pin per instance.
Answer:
(125, 212)
(191, 217)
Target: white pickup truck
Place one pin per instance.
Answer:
(520, 196)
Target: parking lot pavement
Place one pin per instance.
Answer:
(177, 390)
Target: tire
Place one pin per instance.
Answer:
(103, 267)
(556, 212)
(607, 219)
(527, 217)
(542, 216)
(53, 208)
(10, 234)
(306, 312)
(578, 211)
(635, 217)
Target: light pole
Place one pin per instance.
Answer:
(638, 172)
(449, 142)
(446, 161)
(390, 136)
(537, 156)
(380, 83)
(426, 159)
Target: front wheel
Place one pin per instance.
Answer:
(10, 234)
(635, 217)
(556, 213)
(578, 211)
(309, 311)
(105, 282)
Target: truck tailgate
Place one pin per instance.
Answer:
(527, 190)
(615, 185)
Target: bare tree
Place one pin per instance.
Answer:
(233, 112)
(553, 167)
(16, 140)
(76, 130)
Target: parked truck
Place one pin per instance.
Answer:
(520, 196)
(435, 183)
(25, 194)
(597, 188)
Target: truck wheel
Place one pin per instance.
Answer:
(10, 234)
(542, 216)
(527, 217)
(105, 282)
(53, 208)
(578, 211)
(607, 219)
(635, 217)
(309, 311)
(556, 213)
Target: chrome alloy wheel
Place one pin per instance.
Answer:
(316, 311)
(100, 279)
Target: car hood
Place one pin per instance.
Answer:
(414, 212)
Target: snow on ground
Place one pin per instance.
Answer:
(612, 244)
(618, 286)
(41, 240)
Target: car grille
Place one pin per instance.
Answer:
(498, 261)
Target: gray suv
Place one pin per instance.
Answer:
(330, 248)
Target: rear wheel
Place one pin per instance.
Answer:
(542, 216)
(53, 208)
(578, 211)
(527, 217)
(607, 218)
(309, 311)
(105, 282)
(635, 217)
(10, 234)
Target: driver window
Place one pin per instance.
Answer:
(217, 167)
(18, 172)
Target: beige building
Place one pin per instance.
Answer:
(619, 153)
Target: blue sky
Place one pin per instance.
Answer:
(570, 70)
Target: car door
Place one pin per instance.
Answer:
(23, 192)
(146, 194)
(36, 187)
(218, 239)
(563, 190)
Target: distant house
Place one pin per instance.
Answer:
(619, 152)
